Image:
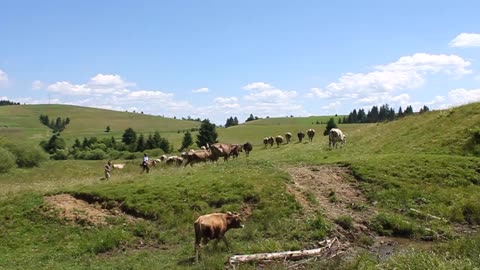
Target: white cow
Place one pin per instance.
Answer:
(334, 136)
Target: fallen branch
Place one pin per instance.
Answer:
(286, 255)
(428, 215)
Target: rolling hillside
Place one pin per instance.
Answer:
(21, 121)
(291, 196)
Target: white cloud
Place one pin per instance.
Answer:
(382, 85)
(37, 85)
(200, 90)
(463, 96)
(320, 93)
(225, 100)
(3, 78)
(98, 85)
(257, 86)
(331, 106)
(466, 40)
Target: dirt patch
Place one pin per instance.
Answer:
(334, 192)
(79, 211)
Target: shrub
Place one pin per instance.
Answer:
(471, 212)
(60, 155)
(96, 154)
(345, 222)
(387, 224)
(7, 160)
(26, 156)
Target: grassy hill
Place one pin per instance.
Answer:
(21, 121)
(426, 162)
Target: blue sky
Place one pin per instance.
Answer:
(216, 59)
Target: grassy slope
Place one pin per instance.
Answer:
(22, 122)
(413, 162)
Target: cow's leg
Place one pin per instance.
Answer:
(226, 242)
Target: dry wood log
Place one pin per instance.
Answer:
(286, 255)
(428, 215)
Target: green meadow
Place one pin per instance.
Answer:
(426, 162)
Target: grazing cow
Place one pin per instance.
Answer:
(174, 160)
(197, 156)
(279, 140)
(334, 136)
(310, 134)
(221, 150)
(288, 136)
(300, 136)
(265, 141)
(236, 149)
(248, 148)
(214, 226)
(163, 158)
(271, 141)
(118, 166)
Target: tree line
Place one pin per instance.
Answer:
(8, 102)
(379, 114)
(57, 125)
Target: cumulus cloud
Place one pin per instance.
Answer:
(266, 93)
(200, 90)
(3, 78)
(466, 40)
(383, 83)
(98, 85)
(37, 85)
(463, 96)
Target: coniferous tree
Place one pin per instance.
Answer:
(129, 137)
(330, 124)
(187, 140)
(140, 143)
(206, 134)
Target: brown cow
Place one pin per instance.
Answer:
(221, 150)
(197, 156)
(174, 160)
(248, 148)
(310, 134)
(288, 136)
(214, 226)
(279, 140)
(300, 136)
(236, 149)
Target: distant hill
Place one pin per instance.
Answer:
(22, 122)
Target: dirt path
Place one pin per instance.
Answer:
(337, 195)
(79, 211)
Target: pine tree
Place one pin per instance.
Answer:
(140, 143)
(129, 136)
(187, 140)
(206, 134)
(330, 124)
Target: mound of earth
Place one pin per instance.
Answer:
(79, 211)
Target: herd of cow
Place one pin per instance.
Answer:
(218, 150)
(215, 225)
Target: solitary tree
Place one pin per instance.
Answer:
(187, 140)
(206, 134)
(330, 124)
(107, 129)
(129, 136)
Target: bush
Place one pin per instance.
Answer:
(60, 155)
(387, 224)
(345, 222)
(471, 212)
(26, 156)
(7, 160)
(96, 154)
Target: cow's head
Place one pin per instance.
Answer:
(234, 220)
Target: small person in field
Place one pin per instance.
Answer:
(145, 166)
(108, 169)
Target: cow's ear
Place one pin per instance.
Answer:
(235, 213)
(229, 213)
